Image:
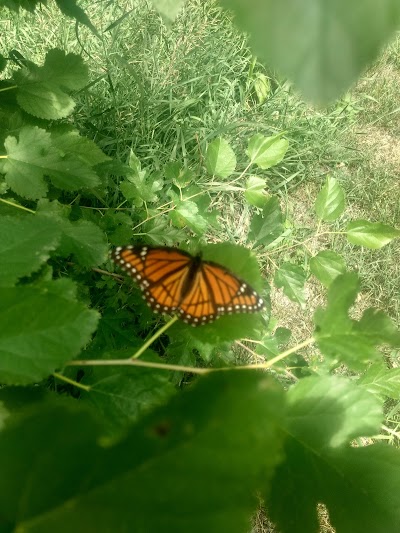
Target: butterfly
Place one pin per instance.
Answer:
(172, 280)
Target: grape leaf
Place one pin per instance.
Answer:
(373, 235)
(343, 339)
(25, 244)
(42, 90)
(322, 46)
(330, 201)
(326, 266)
(291, 278)
(33, 156)
(359, 486)
(42, 327)
(81, 238)
(118, 487)
(220, 158)
(328, 411)
(69, 142)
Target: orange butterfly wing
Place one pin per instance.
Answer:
(173, 280)
(215, 292)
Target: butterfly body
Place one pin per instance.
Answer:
(173, 280)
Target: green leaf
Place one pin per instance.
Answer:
(25, 244)
(42, 327)
(33, 156)
(179, 175)
(323, 47)
(82, 238)
(359, 486)
(161, 232)
(42, 90)
(345, 340)
(141, 186)
(57, 433)
(382, 381)
(187, 214)
(330, 202)
(121, 394)
(267, 226)
(326, 266)
(15, 5)
(372, 235)
(220, 158)
(291, 278)
(330, 411)
(70, 143)
(78, 483)
(255, 192)
(266, 152)
(69, 8)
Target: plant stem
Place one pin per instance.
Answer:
(71, 382)
(16, 205)
(154, 337)
(180, 368)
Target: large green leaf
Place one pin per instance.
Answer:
(345, 340)
(82, 239)
(42, 90)
(330, 411)
(322, 46)
(25, 244)
(34, 156)
(359, 486)
(194, 465)
(41, 328)
(373, 235)
(69, 142)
